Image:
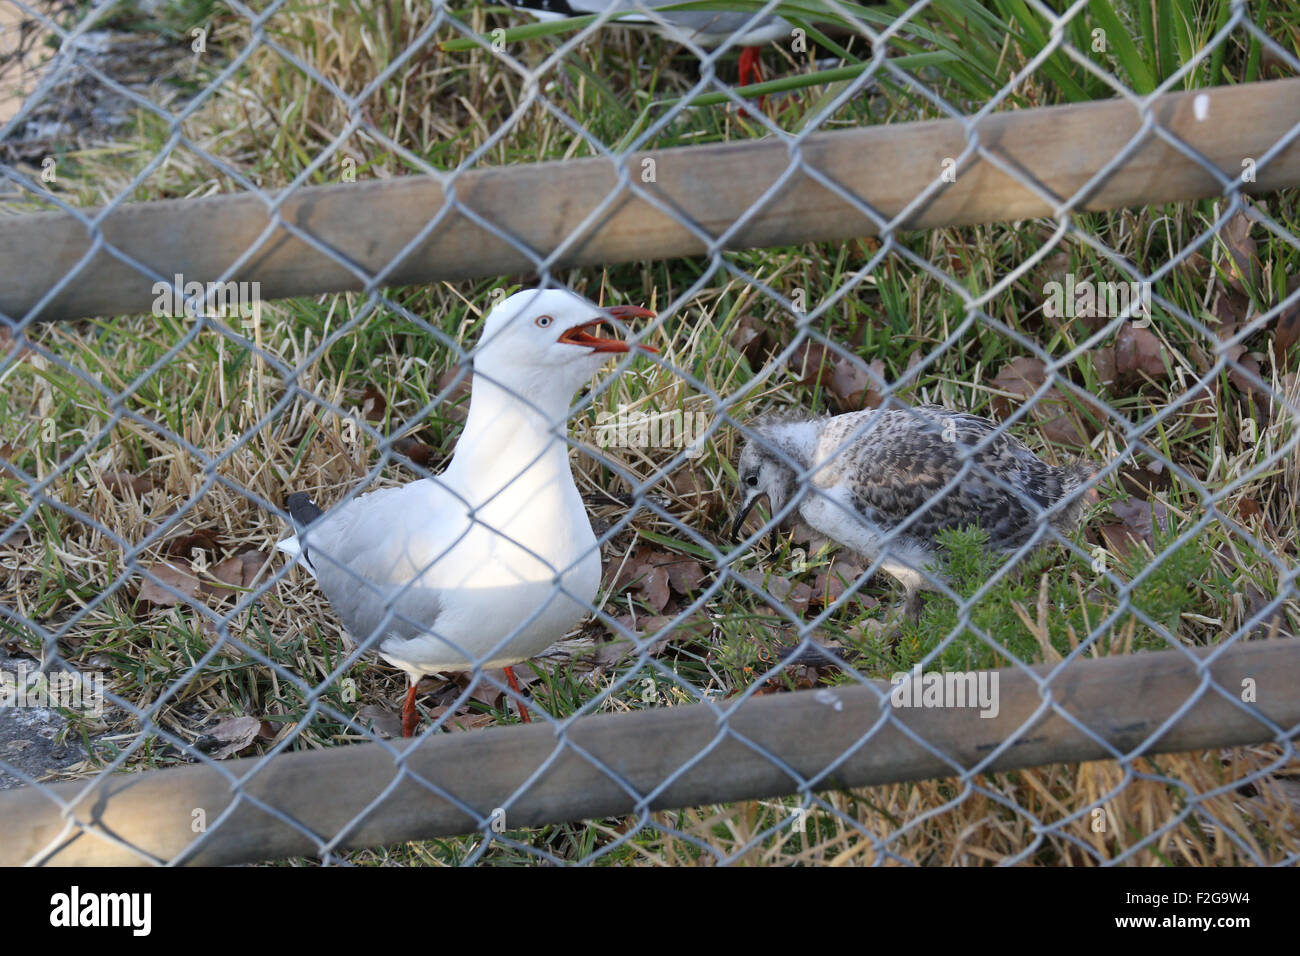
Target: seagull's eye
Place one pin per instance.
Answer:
(752, 481)
(543, 321)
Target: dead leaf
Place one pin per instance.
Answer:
(685, 575)
(1230, 307)
(120, 482)
(1287, 330)
(455, 404)
(7, 342)
(380, 721)
(1118, 538)
(178, 577)
(1242, 265)
(830, 584)
(754, 339)
(1139, 357)
(855, 386)
(373, 404)
(653, 585)
(229, 737)
(418, 452)
(1137, 516)
(812, 364)
(239, 571)
(203, 539)
(1145, 481)
(1103, 364)
(1056, 417)
(1019, 378)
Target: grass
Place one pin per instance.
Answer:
(257, 435)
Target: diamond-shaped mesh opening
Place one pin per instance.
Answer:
(1041, 451)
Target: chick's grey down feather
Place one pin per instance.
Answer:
(882, 493)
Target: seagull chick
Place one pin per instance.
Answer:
(878, 492)
(492, 561)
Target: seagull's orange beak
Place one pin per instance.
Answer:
(578, 335)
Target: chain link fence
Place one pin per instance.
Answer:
(150, 621)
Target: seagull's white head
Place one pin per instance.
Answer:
(550, 340)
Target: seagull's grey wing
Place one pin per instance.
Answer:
(370, 559)
(899, 468)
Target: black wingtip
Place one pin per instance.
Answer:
(302, 509)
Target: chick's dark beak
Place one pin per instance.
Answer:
(745, 509)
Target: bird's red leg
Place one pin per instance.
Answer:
(410, 717)
(751, 66)
(514, 686)
(751, 70)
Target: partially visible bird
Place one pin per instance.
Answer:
(857, 495)
(492, 561)
(703, 28)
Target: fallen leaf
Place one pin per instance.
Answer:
(812, 364)
(753, 338)
(830, 584)
(1139, 356)
(178, 577)
(1056, 417)
(120, 482)
(239, 571)
(1287, 330)
(418, 452)
(380, 721)
(1144, 481)
(373, 404)
(229, 737)
(653, 586)
(685, 575)
(1103, 364)
(7, 342)
(855, 386)
(1242, 265)
(1019, 378)
(1118, 538)
(1137, 516)
(203, 539)
(454, 406)
(1230, 307)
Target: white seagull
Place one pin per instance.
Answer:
(887, 481)
(493, 560)
(703, 28)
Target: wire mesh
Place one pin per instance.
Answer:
(150, 610)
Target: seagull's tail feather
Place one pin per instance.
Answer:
(303, 511)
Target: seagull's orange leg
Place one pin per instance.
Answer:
(751, 71)
(751, 66)
(514, 686)
(410, 716)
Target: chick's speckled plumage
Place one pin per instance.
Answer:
(883, 472)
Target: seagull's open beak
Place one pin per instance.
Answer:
(578, 335)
